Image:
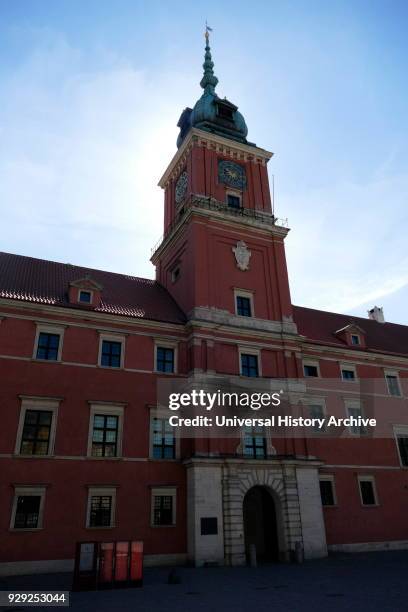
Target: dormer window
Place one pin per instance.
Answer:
(355, 339)
(85, 297)
(225, 112)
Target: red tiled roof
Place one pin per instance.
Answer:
(320, 326)
(47, 282)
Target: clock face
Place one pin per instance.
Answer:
(231, 174)
(181, 187)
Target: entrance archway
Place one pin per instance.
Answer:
(260, 524)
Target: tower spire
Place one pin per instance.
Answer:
(209, 80)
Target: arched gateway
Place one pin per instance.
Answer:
(273, 503)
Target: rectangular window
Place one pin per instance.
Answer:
(393, 385)
(355, 339)
(163, 508)
(111, 353)
(367, 491)
(327, 491)
(27, 512)
(316, 411)
(244, 306)
(348, 373)
(36, 432)
(105, 435)
(249, 365)
(310, 370)
(403, 449)
(164, 359)
(85, 297)
(255, 443)
(164, 440)
(100, 511)
(355, 412)
(48, 345)
(233, 201)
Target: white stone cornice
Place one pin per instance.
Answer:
(225, 146)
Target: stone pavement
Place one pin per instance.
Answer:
(364, 581)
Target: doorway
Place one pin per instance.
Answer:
(260, 525)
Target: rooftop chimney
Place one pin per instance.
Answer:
(376, 314)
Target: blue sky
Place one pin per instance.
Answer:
(90, 94)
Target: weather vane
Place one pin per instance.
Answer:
(207, 30)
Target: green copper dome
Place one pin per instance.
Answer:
(211, 113)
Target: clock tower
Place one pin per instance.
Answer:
(221, 239)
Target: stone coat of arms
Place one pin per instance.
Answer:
(242, 255)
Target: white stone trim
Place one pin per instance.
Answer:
(220, 317)
(28, 490)
(38, 403)
(49, 329)
(112, 338)
(357, 547)
(101, 490)
(161, 492)
(353, 404)
(367, 478)
(110, 410)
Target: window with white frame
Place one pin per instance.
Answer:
(165, 356)
(255, 442)
(163, 440)
(355, 339)
(393, 383)
(85, 297)
(37, 426)
(311, 368)
(327, 490)
(355, 410)
(111, 351)
(244, 303)
(105, 430)
(317, 410)
(401, 438)
(101, 507)
(348, 372)
(28, 508)
(48, 342)
(368, 493)
(163, 507)
(249, 363)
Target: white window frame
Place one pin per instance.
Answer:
(85, 291)
(243, 350)
(352, 368)
(316, 401)
(394, 373)
(236, 193)
(400, 431)
(45, 328)
(162, 413)
(28, 490)
(162, 491)
(112, 338)
(311, 362)
(245, 294)
(166, 343)
(330, 478)
(353, 404)
(97, 491)
(37, 403)
(107, 410)
(356, 336)
(370, 478)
